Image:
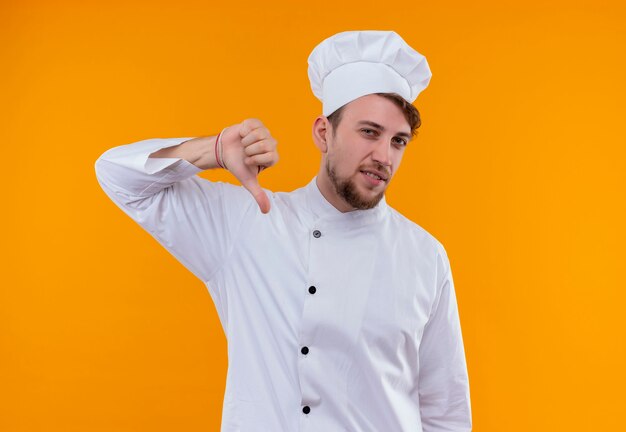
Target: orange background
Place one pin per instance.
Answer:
(519, 170)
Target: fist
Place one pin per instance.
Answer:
(248, 148)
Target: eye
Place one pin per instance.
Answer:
(367, 130)
(400, 141)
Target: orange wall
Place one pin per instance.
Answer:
(519, 169)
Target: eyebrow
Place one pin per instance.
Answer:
(382, 128)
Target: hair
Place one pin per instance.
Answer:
(411, 113)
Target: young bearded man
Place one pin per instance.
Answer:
(340, 313)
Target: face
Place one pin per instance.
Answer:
(360, 159)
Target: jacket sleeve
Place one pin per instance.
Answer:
(194, 219)
(443, 380)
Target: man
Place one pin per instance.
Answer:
(340, 313)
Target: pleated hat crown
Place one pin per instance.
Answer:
(352, 64)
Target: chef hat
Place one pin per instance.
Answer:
(352, 64)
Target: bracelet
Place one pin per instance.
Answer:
(219, 152)
(217, 158)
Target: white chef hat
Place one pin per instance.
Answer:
(352, 64)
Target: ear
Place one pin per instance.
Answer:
(321, 129)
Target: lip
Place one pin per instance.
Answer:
(372, 180)
(380, 174)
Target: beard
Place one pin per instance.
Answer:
(346, 189)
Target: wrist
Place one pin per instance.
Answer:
(229, 146)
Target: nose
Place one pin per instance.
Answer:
(382, 152)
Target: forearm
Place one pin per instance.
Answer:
(134, 172)
(199, 151)
(128, 174)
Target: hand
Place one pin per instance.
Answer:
(248, 148)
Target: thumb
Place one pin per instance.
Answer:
(252, 185)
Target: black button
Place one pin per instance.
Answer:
(306, 409)
(312, 289)
(317, 233)
(304, 350)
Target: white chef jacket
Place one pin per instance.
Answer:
(334, 321)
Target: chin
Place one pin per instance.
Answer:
(354, 192)
(362, 199)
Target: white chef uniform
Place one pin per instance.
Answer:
(336, 322)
